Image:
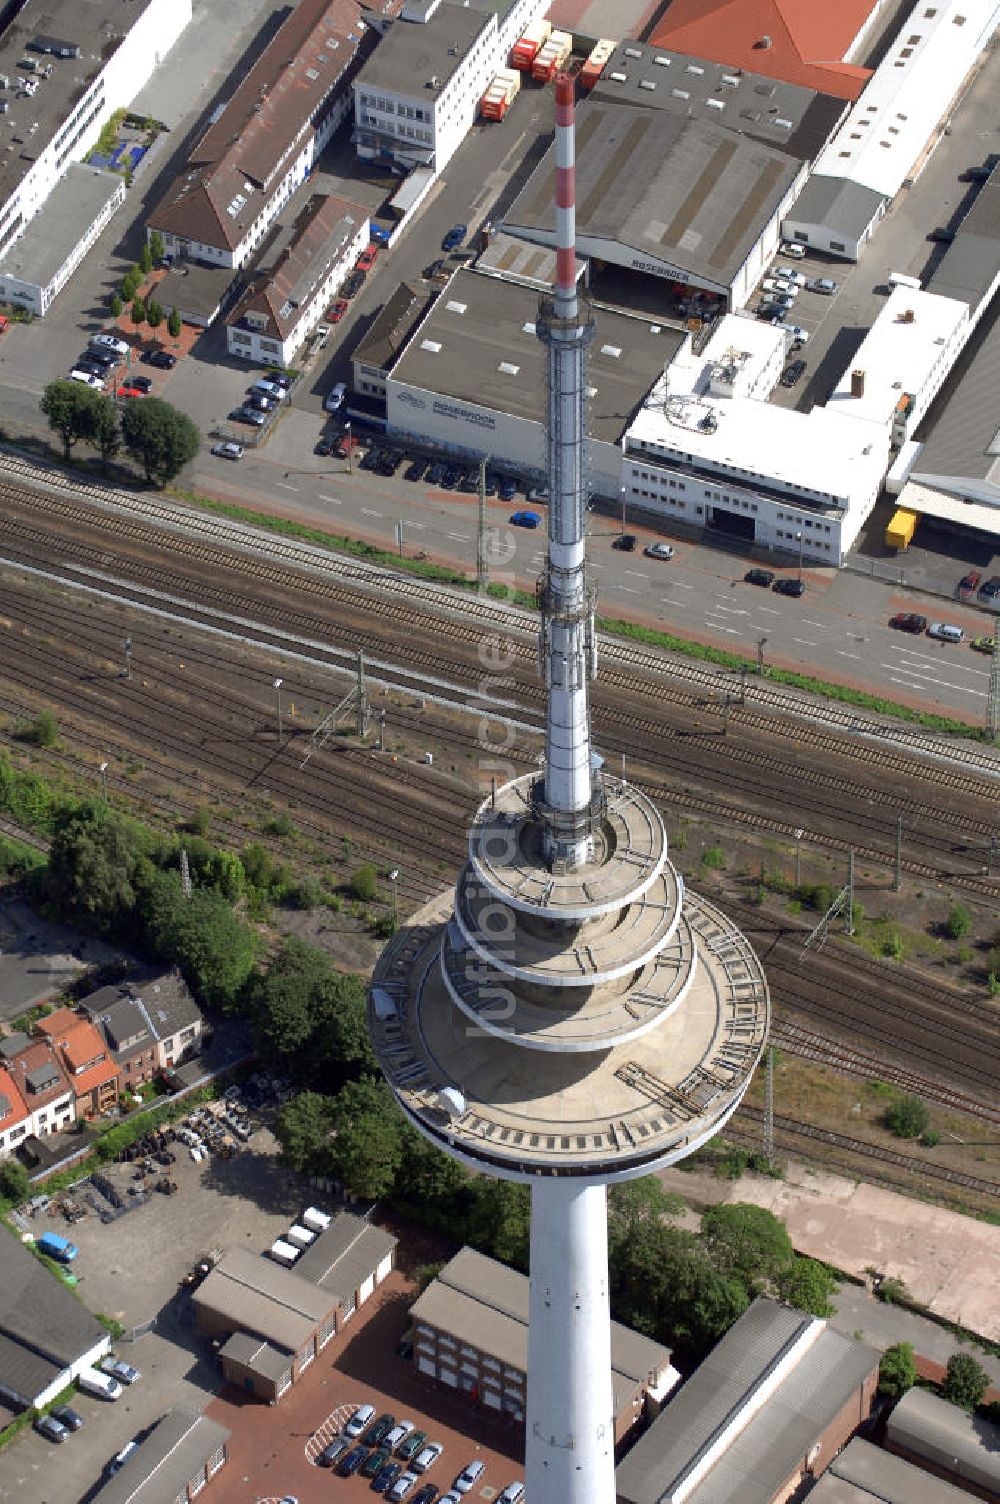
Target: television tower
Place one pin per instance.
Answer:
(568, 1017)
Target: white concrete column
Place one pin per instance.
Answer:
(570, 1428)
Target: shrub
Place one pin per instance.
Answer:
(897, 1371)
(908, 1117)
(965, 1381)
(364, 883)
(892, 946)
(891, 1291)
(958, 922)
(138, 311)
(714, 857)
(43, 731)
(174, 323)
(930, 1138)
(116, 305)
(146, 258)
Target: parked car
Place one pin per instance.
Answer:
(989, 589)
(141, 383)
(279, 378)
(351, 1461)
(370, 460)
(399, 1433)
(427, 1457)
(411, 1446)
(507, 487)
(792, 275)
(416, 469)
(378, 1430)
(659, 551)
(512, 1494)
(336, 310)
(402, 1486)
(469, 1476)
(385, 1477)
(93, 367)
(794, 587)
(228, 451)
(87, 378)
(778, 286)
(793, 249)
(792, 373)
(797, 335)
(124, 393)
(51, 1429)
(538, 493)
(375, 1462)
(438, 271)
(247, 415)
(119, 1460)
(354, 284)
(625, 542)
(260, 403)
(67, 1417)
(325, 447)
(978, 644)
(368, 257)
(334, 398)
(333, 1452)
(103, 358)
(969, 583)
(265, 387)
(162, 359)
(763, 577)
(823, 284)
(361, 1418)
(120, 1370)
(908, 621)
(454, 237)
(109, 342)
(452, 476)
(525, 519)
(436, 473)
(770, 313)
(425, 1495)
(945, 631)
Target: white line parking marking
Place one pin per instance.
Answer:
(845, 654)
(805, 641)
(459, 537)
(369, 512)
(807, 621)
(333, 500)
(281, 483)
(770, 610)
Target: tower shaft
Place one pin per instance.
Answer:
(566, 646)
(570, 1441)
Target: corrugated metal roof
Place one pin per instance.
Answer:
(257, 1295)
(970, 265)
(871, 1474)
(959, 432)
(963, 1444)
(43, 1327)
(980, 517)
(842, 207)
(160, 1470)
(260, 1357)
(345, 1255)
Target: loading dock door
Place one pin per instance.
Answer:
(734, 523)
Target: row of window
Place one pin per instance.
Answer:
(392, 107)
(803, 522)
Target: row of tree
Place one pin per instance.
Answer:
(154, 434)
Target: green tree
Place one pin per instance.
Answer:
(138, 311)
(68, 406)
(213, 947)
(174, 323)
(157, 249)
(15, 1186)
(748, 1243)
(958, 923)
(499, 1220)
(310, 1018)
(160, 438)
(43, 731)
(428, 1178)
(116, 305)
(364, 883)
(367, 1147)
(95, 862)
(807, 1285)
(897, 1371)
(965, 1381)
(636, 1202)
(663, 1283)
(146, 258)
(103, 435)
(303, 1129)
(131, 282)
(908, 1117)
(154, 314)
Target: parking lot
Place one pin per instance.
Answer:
(39, 957)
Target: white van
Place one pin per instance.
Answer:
(900, 279)
(92, 1381)
(359, 1420)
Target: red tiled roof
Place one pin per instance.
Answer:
(98, 1075)
(14, 1099)
(808, 38)
(80, 1042)
(38, 1053)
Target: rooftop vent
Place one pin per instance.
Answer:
(619, 78)
(455, 307)
(764, 44)
(432, 346)
(633, 52)
(529, 328)
(647, 83)
(507, 369)
(613, 350)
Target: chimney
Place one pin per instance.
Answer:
(857, 383)
(907, 316)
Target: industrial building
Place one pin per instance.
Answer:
(864, 1474)
(669, 196)
(36, 266)
(817, 46)
(472, 379)
(469, 1331)
(768, 1408)
(172, 1464)
(302, 269)
(375, 355)
(418, 95)
(267, 138)
(46, 1335)
(274, 1321)
(961, 1449)
(65, 69)
(893, 128)
(795, 119)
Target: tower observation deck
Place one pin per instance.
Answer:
(568, 1016)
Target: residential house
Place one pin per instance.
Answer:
(42, 1081)
(86, 1059)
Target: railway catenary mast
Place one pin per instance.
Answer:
(567, 1016)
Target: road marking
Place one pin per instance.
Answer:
(718, 627)
(845, 654)
(333, 500)
(459, 537)
(679, 585)
(923, 679)
(369, 512)
(281, 483)
(420, 525)
(805, 641)
(922, 658)
(808, 621)
(770, 610)
(729, 610)
(629, 590)
(637, 574)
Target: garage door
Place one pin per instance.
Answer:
(366, 1289)
(383, 1269)
(428, 1366)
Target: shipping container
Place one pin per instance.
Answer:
(899, 533)
(501, 94)
(60, 1249)
(523, 52)
(596, 62)
(552, 56)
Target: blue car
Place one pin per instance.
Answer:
(525, 519)
(454, 237)
(350, 1464)
(386, 1477)
(508, 488)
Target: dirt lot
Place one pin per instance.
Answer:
(272, 1449)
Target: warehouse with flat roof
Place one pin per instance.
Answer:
(469, 1330)
(36, 267)
(472, 379)
(772, 1403)
(667, 195)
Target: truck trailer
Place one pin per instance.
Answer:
(552, 56)
(523, 52)
(501, 94)
(596, 63)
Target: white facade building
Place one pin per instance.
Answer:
(37, 265)
(892, 129)
(88, 61)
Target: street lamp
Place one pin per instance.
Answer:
(393, 878)
(104, 781)
(761, 644)
(800, 539)
(277, 692)
(623, 509)
(350, 452)
(127, 646)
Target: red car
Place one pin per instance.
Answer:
(367, 259)
(969, 583)
(337, 310)
(908, 621)
(130, 391)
